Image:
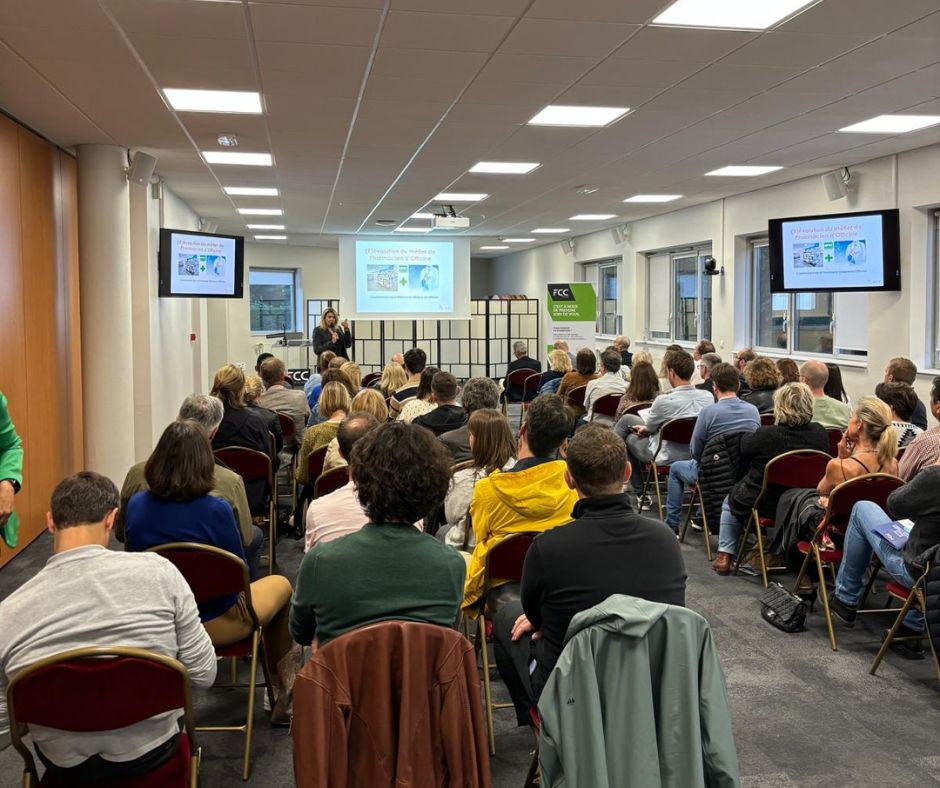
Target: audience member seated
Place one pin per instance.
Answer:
(399, 358)
(903, 370)
(642, 437)
(793, 429)
(622, 344)
(281, 399)
(606, 549)
(492, 448)
(789, 370)
(610, 382)
(178, 508)
(415, 362)
(741, 359)
(226, 484)
(763, 379)
(366, 401)
(727, 414)
(315, 379)
(521, 360)
(330, 335)
(664, 384)
(560, 344)
(477, 394)
(705, 366)
(331, 375)
(422, 402)
(448, 415)
(530, 496)
(643, 387)
(925, 448)
(703, 348)
(87, 595)
(354, 373)
(869, 445)
(340, 512)
(585, 370)
(834, 387)
(334, 404)
(387, 569)
(831, 413)
(261, 359)
(254, 388)
(393, 378)
(902, 400)
(917, 501)
(336, 362)
(559, 365)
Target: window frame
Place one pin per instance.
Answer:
(296, 296)
(699, 252)
(593, 272)
(933, 300)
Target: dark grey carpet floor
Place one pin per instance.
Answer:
(803, 715)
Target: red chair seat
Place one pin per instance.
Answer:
(827, 556)
(897, 590)
(489, 628)
(766, 522)
(175, 772)
(534, 717)
(240, 649)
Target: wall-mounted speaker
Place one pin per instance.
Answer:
(567, 246)
(142, 167)
(621, 234)
(837, 183)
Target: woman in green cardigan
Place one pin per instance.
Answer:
(11, 473)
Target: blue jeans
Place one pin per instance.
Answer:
(730, 528)
(860, 542)
(681, 473)
(253, 550)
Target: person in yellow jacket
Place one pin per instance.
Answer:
(531, 496)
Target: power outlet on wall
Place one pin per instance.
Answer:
(240, 365)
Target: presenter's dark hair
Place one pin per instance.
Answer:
(182, 466)
(547, 424)
(402, 472)
(84, 497)
(415, 360)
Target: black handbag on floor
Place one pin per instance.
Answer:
(784, 610)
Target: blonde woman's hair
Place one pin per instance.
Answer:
(875, 416)
(229, 386)
(334, 397)
(254, 388)
(793, 405)
(351, 368)
(327, 311)
(371, 401)
(642, 357)
(393, 378)
(560, 361)
(493, 442)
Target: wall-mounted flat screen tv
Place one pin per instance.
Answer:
(201, 265)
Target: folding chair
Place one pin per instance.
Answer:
(289, 431)
(315, 461)
(874, 487)
(634, 410)
(835, 437)
(766, 419)
(909, 597)
(529, 386)
(517, 379)
(103, 688)
(532, 778)
(372, 377)
(574, 398)
(211, 573)
(799, 468)
(677, 431)
(695, 492)
(252, 465)
(330, 481)
(606, 406)
(503, 563)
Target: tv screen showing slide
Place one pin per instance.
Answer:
(201, 265)
(404, 279)
(833, 252)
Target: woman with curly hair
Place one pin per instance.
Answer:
(763, 379)
(388, 569)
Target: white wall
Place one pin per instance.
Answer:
(896, 321)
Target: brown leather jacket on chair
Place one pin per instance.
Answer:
(390, 705)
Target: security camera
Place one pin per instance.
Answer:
(710, 266)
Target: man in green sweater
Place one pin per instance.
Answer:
(388, 570)
(11, 473)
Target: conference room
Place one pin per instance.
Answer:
(375, 357)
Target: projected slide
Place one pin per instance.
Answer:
(201, 265)
(408, 277)
(843, 252)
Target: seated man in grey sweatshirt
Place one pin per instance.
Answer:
(87, 595)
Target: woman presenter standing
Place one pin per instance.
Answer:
(330, 336)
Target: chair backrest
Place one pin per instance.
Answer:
(209, 571)
(900, 453)
(575, 396)
(766, 419)
(606, 405)
(678, 430)
(874, 487)
(250, 464)
(835, 436)
(287, 425)
(518, 377)
(530, 386)
(330, 481)
(799, 468)
(504, 560)
(371, 378)
(634, 410)
(96, 689)
(315, 461)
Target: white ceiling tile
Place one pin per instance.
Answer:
(314, 24)
(423, 64)
(404, 89)
(574, 39)
(391, 133)
(695, 100)
(181, 75)
(674, 43)
(858, 17)
(92, 46)
(820, 146)
(199, 53)
(729, 77)
(928, 27)
(607, 95)
(550, 70)
(205, 128)
(375, 111)
(636, 11)
(641, 73)
(300, 86)
(517, 94)
(444, 32)
(171, 17)
(484, 7)
(794, 49)
(73, 15)
(497, 113)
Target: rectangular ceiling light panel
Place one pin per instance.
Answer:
(231, 157)
(237, 101)
(261, 211)
(893, 124)
(504, 167)
(730, 14)
(742, 171)
(653, 198)
(250, 191)
(565, 115)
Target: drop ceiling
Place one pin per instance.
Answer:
(371, 108)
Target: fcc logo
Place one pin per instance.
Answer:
(560, 292)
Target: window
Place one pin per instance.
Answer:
(679, 296)
(272, 295)
(605, 276)
(825, 323)
(934, 360)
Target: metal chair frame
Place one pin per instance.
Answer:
(916, 599)
(653, 469)
(222, 454)
(695, 491)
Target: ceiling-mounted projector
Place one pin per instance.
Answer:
(451, 222)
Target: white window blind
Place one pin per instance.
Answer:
(850, 331)
(660, 295)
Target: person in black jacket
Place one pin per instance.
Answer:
(763, 379)
(607, 549)
(793, 429)
(903, 370)
(330, 336)
(521, 351)
(918, 501)
(448, 415)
